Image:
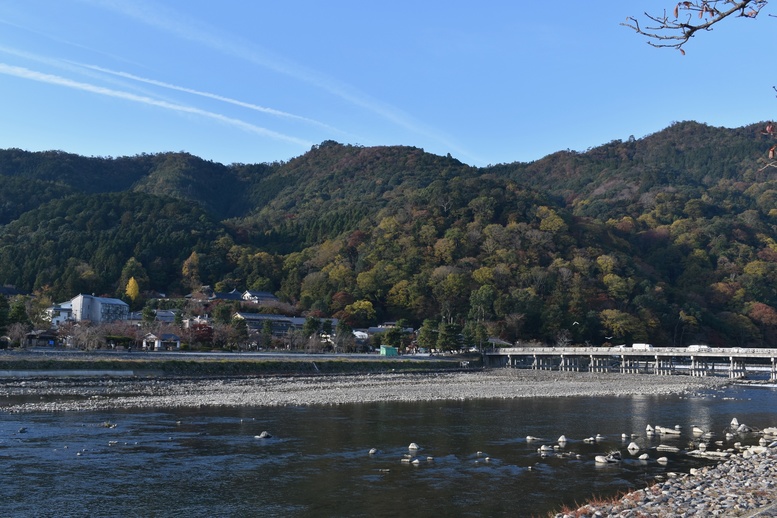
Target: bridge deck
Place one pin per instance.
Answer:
(655, 352)
(658, 360)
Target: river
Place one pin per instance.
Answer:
(474, 457)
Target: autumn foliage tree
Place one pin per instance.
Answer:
(359, 314)
(133, 290)
(134, 269)
(191, 271)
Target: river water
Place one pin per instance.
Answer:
(474, 459)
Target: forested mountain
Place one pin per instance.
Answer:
(622, 178)
(669, 239)
(80, 243)
(331, 189)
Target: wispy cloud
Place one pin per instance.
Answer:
(95, 72)
(61, 41)
(179, 24)
(41, 77)
(250, 106)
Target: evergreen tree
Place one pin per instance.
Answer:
(393, 337)
(222, 313)
(4, 310)
(311, 326)
(427, 335)
(448, 337)
(238, 334)
(148, 315)
(18, 313)
(267, 334)
(344, 339)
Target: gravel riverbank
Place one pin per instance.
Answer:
(73, 394)
(744, 485)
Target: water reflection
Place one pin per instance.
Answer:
(208, 461)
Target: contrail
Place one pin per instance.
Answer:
(180, 25)
(26, 73)
(250, 106)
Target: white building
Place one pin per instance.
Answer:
(163, 342)
(259, 297)
(98, 309)
(59, 313)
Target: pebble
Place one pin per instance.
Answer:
(740, 486)
(335, 390)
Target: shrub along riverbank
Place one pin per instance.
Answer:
(151, 365)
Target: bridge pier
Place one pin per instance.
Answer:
(543, 363)
(663, 366)
(737, 369)
(629, 366)
(698, 367)
(660, 361)
(598, 364)
(571, 363)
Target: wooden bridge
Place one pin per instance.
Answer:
(735, 362)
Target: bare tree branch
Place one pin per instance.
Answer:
(675, 31)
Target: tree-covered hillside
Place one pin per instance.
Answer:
(332, 188)
(669, 239)
(80, 243)
(623, 178)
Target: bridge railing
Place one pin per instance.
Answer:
(736, 352)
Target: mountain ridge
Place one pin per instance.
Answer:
(662, 238)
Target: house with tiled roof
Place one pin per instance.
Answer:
(228, 295)
(259, 297)
(280, 323)
(162, 342)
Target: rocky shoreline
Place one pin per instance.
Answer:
(74, 394)
(743, 485)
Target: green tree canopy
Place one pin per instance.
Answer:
(18, 313)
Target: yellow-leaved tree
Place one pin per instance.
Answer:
(133, 290)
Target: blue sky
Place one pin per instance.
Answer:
(260, 81)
